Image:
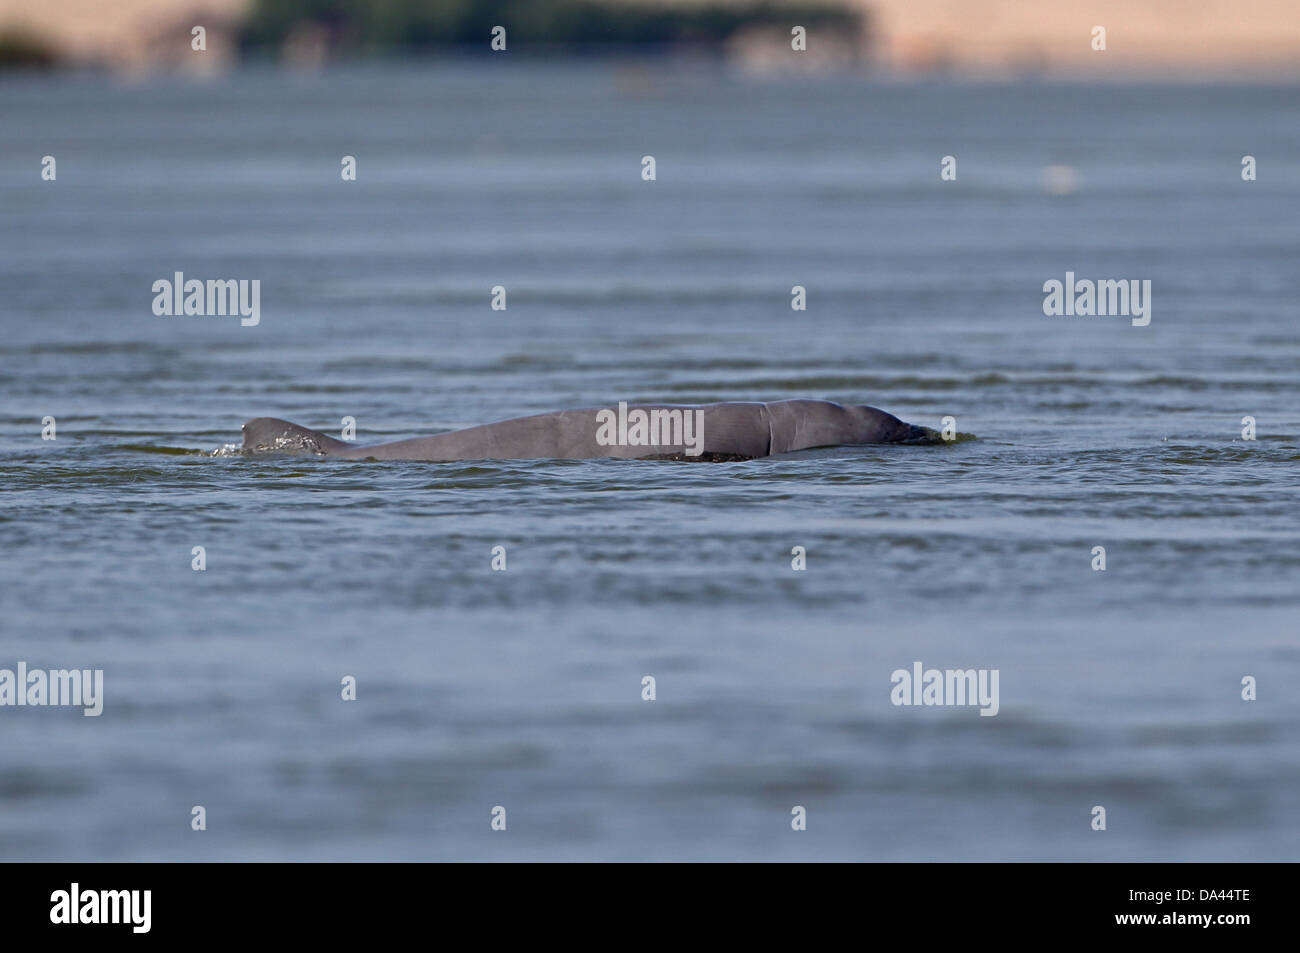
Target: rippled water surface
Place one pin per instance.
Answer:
(522, 688)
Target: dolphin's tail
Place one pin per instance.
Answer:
(273, 434)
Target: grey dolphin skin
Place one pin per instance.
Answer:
(726, 431)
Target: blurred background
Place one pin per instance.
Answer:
(1189, 37)
(775, 168)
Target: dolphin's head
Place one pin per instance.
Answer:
(880, 427)
(273, 434)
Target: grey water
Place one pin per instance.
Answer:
(522, 688)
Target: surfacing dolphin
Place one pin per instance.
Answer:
(714, 432)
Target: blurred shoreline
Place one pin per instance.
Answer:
(990, 39)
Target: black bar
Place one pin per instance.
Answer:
(336, 902)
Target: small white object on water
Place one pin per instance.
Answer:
(1060, 179)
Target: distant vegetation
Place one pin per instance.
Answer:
(398, 26)
(20, 51)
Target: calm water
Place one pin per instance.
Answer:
(523, 688)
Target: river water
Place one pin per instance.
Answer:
(522, 689)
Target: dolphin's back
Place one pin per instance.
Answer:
(731, 430)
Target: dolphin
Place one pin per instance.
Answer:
(714, 432)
